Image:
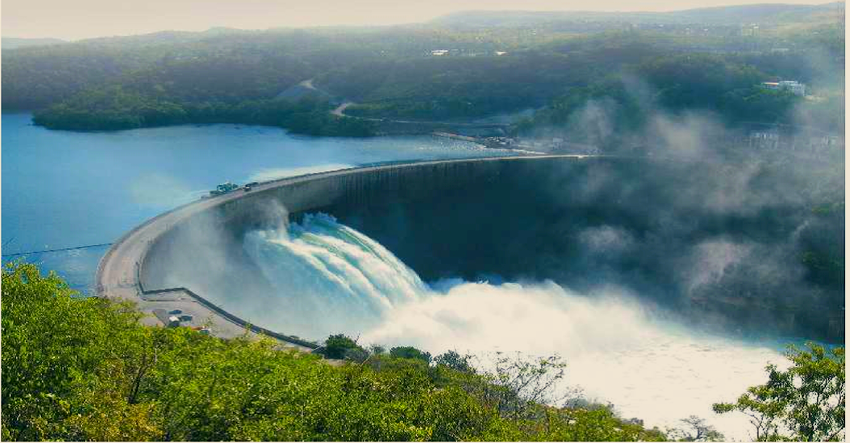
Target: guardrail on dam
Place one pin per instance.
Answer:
(522, 218)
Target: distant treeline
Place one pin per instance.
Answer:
(722, 86)
(233, 76)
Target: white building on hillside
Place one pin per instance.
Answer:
(787, 85)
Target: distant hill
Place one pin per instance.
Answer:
(727, 15)
(421, 71)
(510, 19)
(14, 43)
(762, 13)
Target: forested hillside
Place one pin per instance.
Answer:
(772, 14)
(15, 43)
(448, 70)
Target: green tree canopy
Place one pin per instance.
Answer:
(411, 353)
(806, 402)
(79, 368)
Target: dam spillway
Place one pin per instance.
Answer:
(136, 267)
(582, 221)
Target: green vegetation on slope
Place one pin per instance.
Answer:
(84, 369)
(723, 86)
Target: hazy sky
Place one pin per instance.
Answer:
(76, 19)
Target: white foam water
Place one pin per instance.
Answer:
(332, 279)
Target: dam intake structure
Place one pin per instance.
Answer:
(718, 244)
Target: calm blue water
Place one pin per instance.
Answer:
(64, 189)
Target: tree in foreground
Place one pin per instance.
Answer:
(695, 429)
(411, 353)
(806, 402)
(340, 346)
(453, 360)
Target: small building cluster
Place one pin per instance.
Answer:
(774, 139)
(465, 52)
(793, 86)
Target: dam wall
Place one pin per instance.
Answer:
(219, 227)
(185, 259)
(586, 222)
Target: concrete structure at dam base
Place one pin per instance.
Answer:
(521, 218)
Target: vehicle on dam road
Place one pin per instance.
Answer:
(224, 188)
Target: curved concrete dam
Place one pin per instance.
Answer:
(721, 244)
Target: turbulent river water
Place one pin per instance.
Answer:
(331, 278)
